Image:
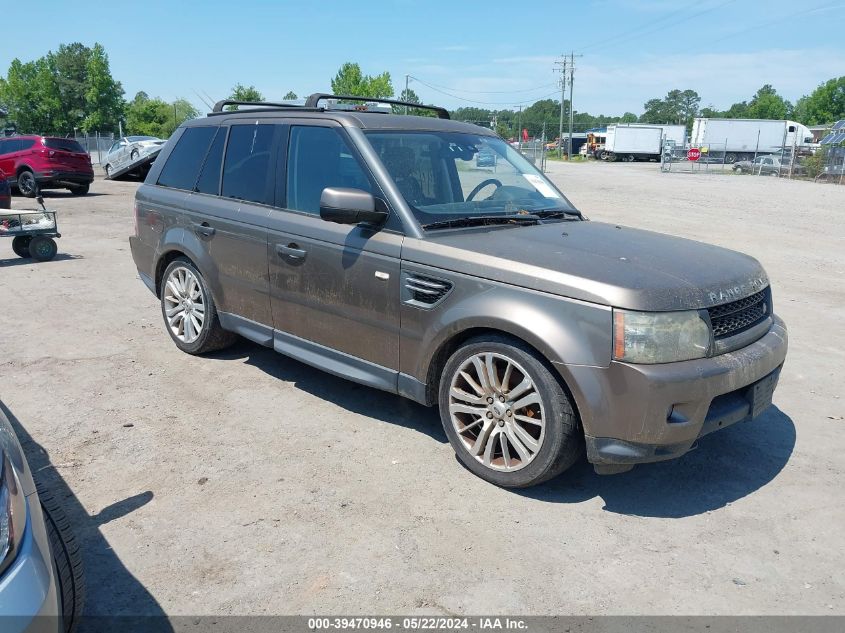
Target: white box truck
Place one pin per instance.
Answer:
(742, 139)
(630, 143)
(675, 132)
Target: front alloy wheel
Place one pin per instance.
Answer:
(184, 306)
(506, 414)
(496, 411)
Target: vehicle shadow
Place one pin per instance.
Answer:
(24, 261)
(113, 594)
(727, 466)
(373, 403)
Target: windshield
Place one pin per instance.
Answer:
(445, 176)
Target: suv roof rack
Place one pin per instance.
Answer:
(311, 104)
(314, 99)
(218, 107)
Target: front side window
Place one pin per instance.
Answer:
(445, 176)
(183, 165)
(319, 157)
(247, 169)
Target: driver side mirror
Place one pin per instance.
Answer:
(350, 206)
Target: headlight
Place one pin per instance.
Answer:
(659, 337)
(12, 513)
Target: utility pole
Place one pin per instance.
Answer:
(562, 71)
(519, 128)
(571, 109)
(406, 91)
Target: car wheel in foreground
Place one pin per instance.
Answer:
(189, 311)
(43, 248)
(507, 417)
(67, 560)
(20, 245)
(26, 184)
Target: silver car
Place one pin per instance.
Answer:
(129, 149)
(41, 584)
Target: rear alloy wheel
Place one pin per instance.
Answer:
(506, 415)
(134, 155)
(27, 184)
(189, 311)
(20, 245)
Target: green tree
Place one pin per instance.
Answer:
(349, 80)
(768, 104)
(69, 66)
(290, 96)
(244, 93)
(155, 117)
(628, 117)
(825, 104)
(103, 95)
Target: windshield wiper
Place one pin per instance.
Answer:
(481, 220)
(567, 214)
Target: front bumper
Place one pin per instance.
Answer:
(645, 413)
(29, 600)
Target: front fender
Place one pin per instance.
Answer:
(564, 331)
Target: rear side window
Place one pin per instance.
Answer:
(248, 168)
(319, 157)
(23, 144)
(209, 180)
(63, 144)
(183, 165)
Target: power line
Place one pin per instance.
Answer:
(511, 103)
(776, 20)
(482, 92)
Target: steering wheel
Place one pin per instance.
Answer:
(481, 185)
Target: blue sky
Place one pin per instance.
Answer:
(498, 53)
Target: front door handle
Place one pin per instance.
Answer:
(292, 250)
(204, 229)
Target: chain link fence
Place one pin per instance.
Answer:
(96, 144)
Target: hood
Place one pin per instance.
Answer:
(596, 262)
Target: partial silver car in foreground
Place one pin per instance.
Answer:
(41, 583)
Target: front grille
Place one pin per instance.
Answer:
(735, 317)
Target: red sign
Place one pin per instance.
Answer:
(525, 134)
(693, 153)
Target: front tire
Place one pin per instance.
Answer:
(67, 560)
(43, 248)
(189, 312)
(506, 415)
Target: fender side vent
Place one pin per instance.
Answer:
(423, 291)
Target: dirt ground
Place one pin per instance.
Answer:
(248, 483)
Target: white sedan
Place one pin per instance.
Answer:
(129, 149)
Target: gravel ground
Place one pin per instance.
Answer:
(248, 483)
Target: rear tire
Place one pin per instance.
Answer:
(80, 190)
(134, 155)
(43, 248)
(67, 560)
(549, 439)
(27, 184)
(186, 296)
(20, 245)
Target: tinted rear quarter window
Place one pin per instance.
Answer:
(248, 168)
(183, 165)
(25, 143)
(209, 180)
(63, 144)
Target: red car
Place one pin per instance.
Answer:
(5, 192)
(46, 162)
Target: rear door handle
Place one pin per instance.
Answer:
(204, 229)
(292, 250)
